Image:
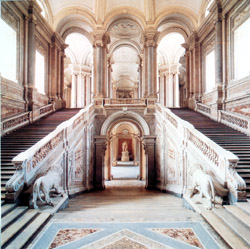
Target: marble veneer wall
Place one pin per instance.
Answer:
(33, 33)
(216, 32)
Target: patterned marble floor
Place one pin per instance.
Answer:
(126, 216)
(182, 235)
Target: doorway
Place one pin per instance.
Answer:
(125, 156)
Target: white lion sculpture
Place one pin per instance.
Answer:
(45, 184)
(203, 183)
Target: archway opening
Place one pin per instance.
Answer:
(78, 71)
(170, 77)
(125, 156)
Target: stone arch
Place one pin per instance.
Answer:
(172, 30)
(125, 42)
(182, 12)
(77, 30)
(125, 115)
(125, 13)
(79, 11)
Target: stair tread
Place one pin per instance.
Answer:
(14, 228)
(12, 215)
(29, 231)
(237, 212)
(7, 208)
(224, 231)
(234, 223)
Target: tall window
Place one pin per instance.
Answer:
(40, 73)
(242, 50)
(210, 72)
(8, 51)
(207, 9)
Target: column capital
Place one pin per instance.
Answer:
(150, 38)
(101, 38)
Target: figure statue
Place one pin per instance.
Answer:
(45, 184)
(124, 146)
(125, 153)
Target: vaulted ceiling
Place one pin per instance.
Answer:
(125, 21)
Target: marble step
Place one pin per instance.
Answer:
(224, 231)
(5, 209)
(12, 216)
(13, 229)
(244, 206)
(29, 231)
(234, 223)
(239, 214)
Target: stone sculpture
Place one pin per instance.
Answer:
(203, 183)
(45, 184)
(125, 152)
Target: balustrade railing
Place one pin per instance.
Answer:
(232, 119)
(29, 162)
(124, 102)
(17, 121)
(221, 161)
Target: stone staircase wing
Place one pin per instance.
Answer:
(226, 137)
(20, 140)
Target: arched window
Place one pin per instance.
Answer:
(207, 8)
(8, 51)
(242, 50)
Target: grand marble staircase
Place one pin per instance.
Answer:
(19, 223)
(228, 138)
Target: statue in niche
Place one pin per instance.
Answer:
(124, 146)
(125, 152)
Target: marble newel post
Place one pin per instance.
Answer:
(149, 147)
(31, 57)
(150, 62)
(100, 64)
(218, 60)
(100, 147)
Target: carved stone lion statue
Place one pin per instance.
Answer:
(208, 187)
(45, 184)
(203, 183)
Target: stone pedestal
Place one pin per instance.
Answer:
(125, 156)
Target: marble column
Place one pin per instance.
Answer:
(176, 90)
(100, 148)
(218, 62)
(73, 91)
(100, 65)
(149, 147)
(31, 57)
(109, 90)
(150, 61)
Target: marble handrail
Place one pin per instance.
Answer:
(235, 120)
(17, 121)
(29, 162)
(221, 161)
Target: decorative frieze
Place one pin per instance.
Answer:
(46, 149)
